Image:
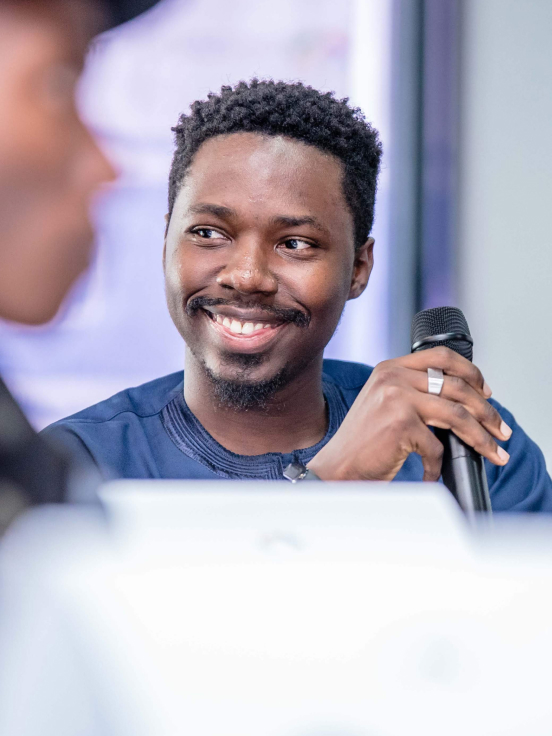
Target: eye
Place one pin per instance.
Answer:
(297, 244)
(207, 233)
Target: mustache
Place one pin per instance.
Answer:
(282, 314)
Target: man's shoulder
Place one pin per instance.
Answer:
(142, 401)
(348, 376)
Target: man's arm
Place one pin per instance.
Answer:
(523, 484)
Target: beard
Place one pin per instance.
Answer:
(239, 392)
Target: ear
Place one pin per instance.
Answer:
(362, 268)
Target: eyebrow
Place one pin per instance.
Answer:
(227, 213)
(218, 210)
(288, 221)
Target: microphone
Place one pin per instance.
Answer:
(463, 468)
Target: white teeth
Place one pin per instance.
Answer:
(240, 328)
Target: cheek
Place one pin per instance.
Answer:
(186, 272)
(325, 288)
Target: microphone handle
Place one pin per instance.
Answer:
(463, 473)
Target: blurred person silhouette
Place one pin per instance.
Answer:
(50, 166)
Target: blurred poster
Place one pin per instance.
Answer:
(115, 331)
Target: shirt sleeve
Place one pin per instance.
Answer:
(523, 484)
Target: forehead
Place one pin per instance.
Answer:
(252, 171)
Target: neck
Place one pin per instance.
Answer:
(293, 419)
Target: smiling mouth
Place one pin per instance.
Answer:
(248, 332)
(241, 327)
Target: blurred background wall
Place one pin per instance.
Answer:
(460, 91)
(504, 250)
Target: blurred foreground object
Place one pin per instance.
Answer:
(30, 471)
(247, 609)
(50, 167)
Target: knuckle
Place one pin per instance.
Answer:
(460, 413)
(491, 415)
(437, 449)
(476, 371)
(403, 421)
(457, 385)
(381, 367)
(487, 444)
(484, 413)
(445, 355)
(433, 459)
(434, 473)
(487, 414)
(390, 392)
(475, 375)
(385, 372)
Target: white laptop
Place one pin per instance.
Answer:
(265, 609)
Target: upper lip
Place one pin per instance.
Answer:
(244, 315)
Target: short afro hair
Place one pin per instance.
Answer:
(295, 111)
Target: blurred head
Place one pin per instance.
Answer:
(49, 164)
(271, 202)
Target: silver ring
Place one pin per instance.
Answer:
(435, 381)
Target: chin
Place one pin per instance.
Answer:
(244, 388)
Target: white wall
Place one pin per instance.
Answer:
(505, 222)
(363, 333)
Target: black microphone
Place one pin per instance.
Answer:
(463, 469)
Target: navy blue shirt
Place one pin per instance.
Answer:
(149, 432)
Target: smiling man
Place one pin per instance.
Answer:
(271, 202)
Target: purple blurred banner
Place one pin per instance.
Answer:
(115, 330)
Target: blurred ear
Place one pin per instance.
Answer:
(362, 268)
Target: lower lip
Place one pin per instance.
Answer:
(246, 343)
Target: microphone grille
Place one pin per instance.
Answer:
(439, 321)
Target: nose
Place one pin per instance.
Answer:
(247, 270)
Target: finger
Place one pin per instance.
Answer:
(456, 389)
(450, 363)
(438, 412)
(431, 452)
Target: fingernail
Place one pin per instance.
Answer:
(487, 390)
(505, 430)
(503, 455)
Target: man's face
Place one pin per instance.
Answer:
(260, 257)
(49, 164)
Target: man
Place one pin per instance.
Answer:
(271, 201)
(49, 169)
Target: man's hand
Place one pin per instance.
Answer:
(392, 413)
